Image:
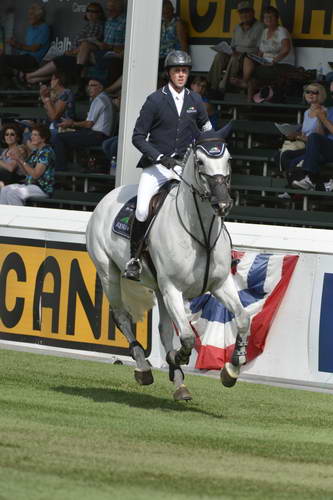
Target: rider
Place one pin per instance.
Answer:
(170, 119)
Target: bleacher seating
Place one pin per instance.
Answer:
(256, 180)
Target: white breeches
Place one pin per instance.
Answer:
(16, 194)
(152, 178)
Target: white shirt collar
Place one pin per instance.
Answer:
(178, 98)
(174, 93)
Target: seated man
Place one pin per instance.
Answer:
(245, 39)
(318, 150)
(90, 132)
(114, 41)
(30, 53)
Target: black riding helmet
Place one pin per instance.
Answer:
(177, 58)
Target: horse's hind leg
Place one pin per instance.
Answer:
(142, 373)
(229, 296)
(176, 374)
(110, 279)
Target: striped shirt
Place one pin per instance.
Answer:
(89, 30)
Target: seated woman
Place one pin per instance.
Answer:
(58, 102)
(315, 95)
(318, 151)
(275, 47)
(73, 61)
(173, 33)
(9, 168)
(39, 170)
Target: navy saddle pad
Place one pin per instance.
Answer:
(121, 224)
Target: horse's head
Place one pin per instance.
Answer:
(212, 169)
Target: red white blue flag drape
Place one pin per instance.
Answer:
(261, 280)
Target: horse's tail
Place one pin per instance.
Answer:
(136, 298)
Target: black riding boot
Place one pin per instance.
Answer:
(133, 266)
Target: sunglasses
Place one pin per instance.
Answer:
(92, 11)
(312, 92)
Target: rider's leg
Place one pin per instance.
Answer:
(133, 266)
(150, 181)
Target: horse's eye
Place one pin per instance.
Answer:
(200, 163)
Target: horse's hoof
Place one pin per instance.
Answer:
(144, 378)
(229, 374)
(182, 394)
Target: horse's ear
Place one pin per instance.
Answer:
(223, 132)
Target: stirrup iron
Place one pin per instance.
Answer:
(133, 269)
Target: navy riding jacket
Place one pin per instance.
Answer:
(168, 132)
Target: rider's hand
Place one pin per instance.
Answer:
(167, 161)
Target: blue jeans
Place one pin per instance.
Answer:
(319, 150)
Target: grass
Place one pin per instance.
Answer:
(72, 429)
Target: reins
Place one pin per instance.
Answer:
(206, 245)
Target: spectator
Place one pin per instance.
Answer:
(245, 39)
(109, 56)
(173, 33)
(39, 170)
(73, 61)
(30, 53)
(315, 95)
(199, 84)
(90, 132)
(318, 150)
(58, 102)
(9, 168)
(276, 47)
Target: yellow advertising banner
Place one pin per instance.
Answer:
(50, 293)
(309, 22)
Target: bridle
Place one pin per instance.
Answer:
(204, 196)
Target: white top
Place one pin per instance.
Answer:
(100, 112)
(310, 125)
(271, 47)
(178, 97)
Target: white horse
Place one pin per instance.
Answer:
(190, 249)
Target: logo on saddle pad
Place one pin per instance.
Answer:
(121, 224)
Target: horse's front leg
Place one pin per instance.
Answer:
(173, 300)
(228, 295)
(176, 374)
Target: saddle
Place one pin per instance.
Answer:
(123, 220)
